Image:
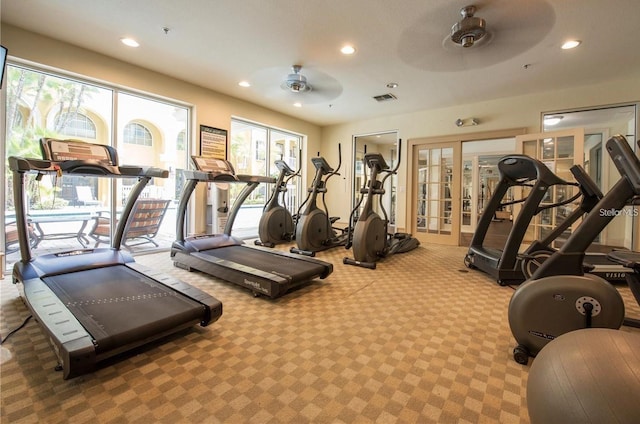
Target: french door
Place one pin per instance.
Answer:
(436, 186)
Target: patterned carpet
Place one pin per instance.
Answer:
(420, 339)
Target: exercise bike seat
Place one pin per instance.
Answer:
(626, 258)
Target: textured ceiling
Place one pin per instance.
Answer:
(215, 44)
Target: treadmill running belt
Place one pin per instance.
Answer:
(598, 259)
(291, 268)
(117, 305)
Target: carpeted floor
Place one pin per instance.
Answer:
(420, 339)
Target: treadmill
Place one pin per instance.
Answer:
(264, 271)
(96, 303)
(514, 170)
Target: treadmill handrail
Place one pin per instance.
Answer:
(206, 176)
(82, 167)
(193, 177)
(515, 170)
(22, 166)
(255, 179)
(527, 169)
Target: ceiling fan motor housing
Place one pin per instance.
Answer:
(296, 82)
(470, 29)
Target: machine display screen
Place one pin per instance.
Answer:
(69, 150)
(216, 166)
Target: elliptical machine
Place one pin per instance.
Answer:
(277, 225)
(314, 227)
(371, 240)
(559, 297)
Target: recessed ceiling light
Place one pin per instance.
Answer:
(348, 49)
(392, 85)
(297, 104)
(244, 84)
(130, 42)
(571, 44)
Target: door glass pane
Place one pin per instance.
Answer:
(565, 147)
(548, 148)
(435, 191)
(529, 148)
(435, 157)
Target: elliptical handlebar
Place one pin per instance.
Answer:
(389, 173)
(335, 171)
(299, 170)
(393, 171)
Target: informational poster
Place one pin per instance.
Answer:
(213, 142)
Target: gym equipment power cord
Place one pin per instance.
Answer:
(16, 330)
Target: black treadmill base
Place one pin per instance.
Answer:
(90, 315)
(254, 268)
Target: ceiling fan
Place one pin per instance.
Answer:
(296, 82)
(507, 28)
(470, 29)
(307, 87)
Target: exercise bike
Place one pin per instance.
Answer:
(314, 227)
(559, 297)
(277, 225)
(371, 240)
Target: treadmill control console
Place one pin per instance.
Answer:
(215, 166)
(65, 150)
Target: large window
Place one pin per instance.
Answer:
(253, 150)
(65, 212)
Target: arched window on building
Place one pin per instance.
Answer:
(135, 133)
(181, 144)
(75, 125)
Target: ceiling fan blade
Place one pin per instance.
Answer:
(512, 28)
(271, 82)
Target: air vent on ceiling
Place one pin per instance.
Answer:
(385, 97)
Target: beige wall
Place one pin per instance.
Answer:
(215, 109)
(210, 108)
(514, 112)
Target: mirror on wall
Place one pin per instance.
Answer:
(386, 144)
(599, 125)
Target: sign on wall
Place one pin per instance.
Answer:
(213, 142)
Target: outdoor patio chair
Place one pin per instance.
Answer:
(11, 243)
(143, 226)
(85, 197)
